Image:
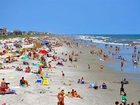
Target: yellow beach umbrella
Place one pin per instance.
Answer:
(40, 64)
(9, 54)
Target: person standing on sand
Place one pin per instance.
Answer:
(60, 97)
(122, 88)
(88, 66)
(122, 64)
(62, 74)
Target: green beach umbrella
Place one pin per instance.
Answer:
(25, 58)
(40, 64)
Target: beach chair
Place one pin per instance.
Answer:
(45, 81)
(38, 81)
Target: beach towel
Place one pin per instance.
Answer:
(12, 91)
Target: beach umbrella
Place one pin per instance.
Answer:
(9, 54)
(44, 52)
(25, 58)
(35, 64)
(20, 50)
(40, 64)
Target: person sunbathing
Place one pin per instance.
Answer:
(8, 90)
(13, 59)
(19, 69)
(69, 94)
(93, 85)
(82, 81)
(79, 81)
(77, 95)
(25, 63)
(103, 86)
(23, 82)
(60, 63)
(4, 88)
(72, 92)
(6, 60)
(28, 69)
(2, 67)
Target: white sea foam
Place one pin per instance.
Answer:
(99, 39)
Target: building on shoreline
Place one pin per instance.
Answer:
(3, 31)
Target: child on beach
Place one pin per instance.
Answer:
(124, 99)
(101, 67)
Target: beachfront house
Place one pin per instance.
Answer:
(17, 32)
(31, 33)
(3, 31)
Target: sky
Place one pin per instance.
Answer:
(72, 16)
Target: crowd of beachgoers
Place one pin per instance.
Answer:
(56, 70)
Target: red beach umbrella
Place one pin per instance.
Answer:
(43, 52)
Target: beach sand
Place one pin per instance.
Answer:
(73, 71)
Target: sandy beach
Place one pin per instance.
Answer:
(38, 94)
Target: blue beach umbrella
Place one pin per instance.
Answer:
(35, 64)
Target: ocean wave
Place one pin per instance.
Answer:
(102, 40)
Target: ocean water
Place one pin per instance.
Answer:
(112, 39)
(109, 42)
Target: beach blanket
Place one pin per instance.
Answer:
(12, 91)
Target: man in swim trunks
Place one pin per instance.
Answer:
(122, 88)
(60, 97)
